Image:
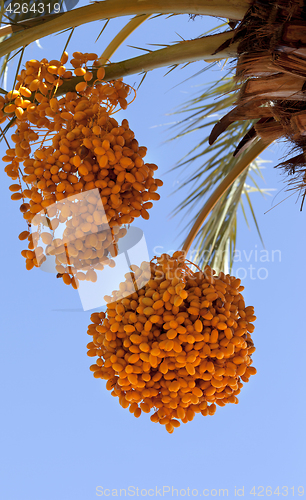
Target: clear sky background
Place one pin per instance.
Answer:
(62, 433)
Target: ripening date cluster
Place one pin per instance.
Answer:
(64, 146)
(178, 346)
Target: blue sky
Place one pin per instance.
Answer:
(63, 436)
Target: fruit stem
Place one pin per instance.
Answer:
(251, 154)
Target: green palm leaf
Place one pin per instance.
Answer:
(215, 243)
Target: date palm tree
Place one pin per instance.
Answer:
(265, 96)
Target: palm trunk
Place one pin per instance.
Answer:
(272, 49)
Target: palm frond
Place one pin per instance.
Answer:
(142, 79)
(123, 34)
(30, 25)
(68, 40)
(140, 48)
(215, 242)
(47, 25)
(105, 24)
(180, 53)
